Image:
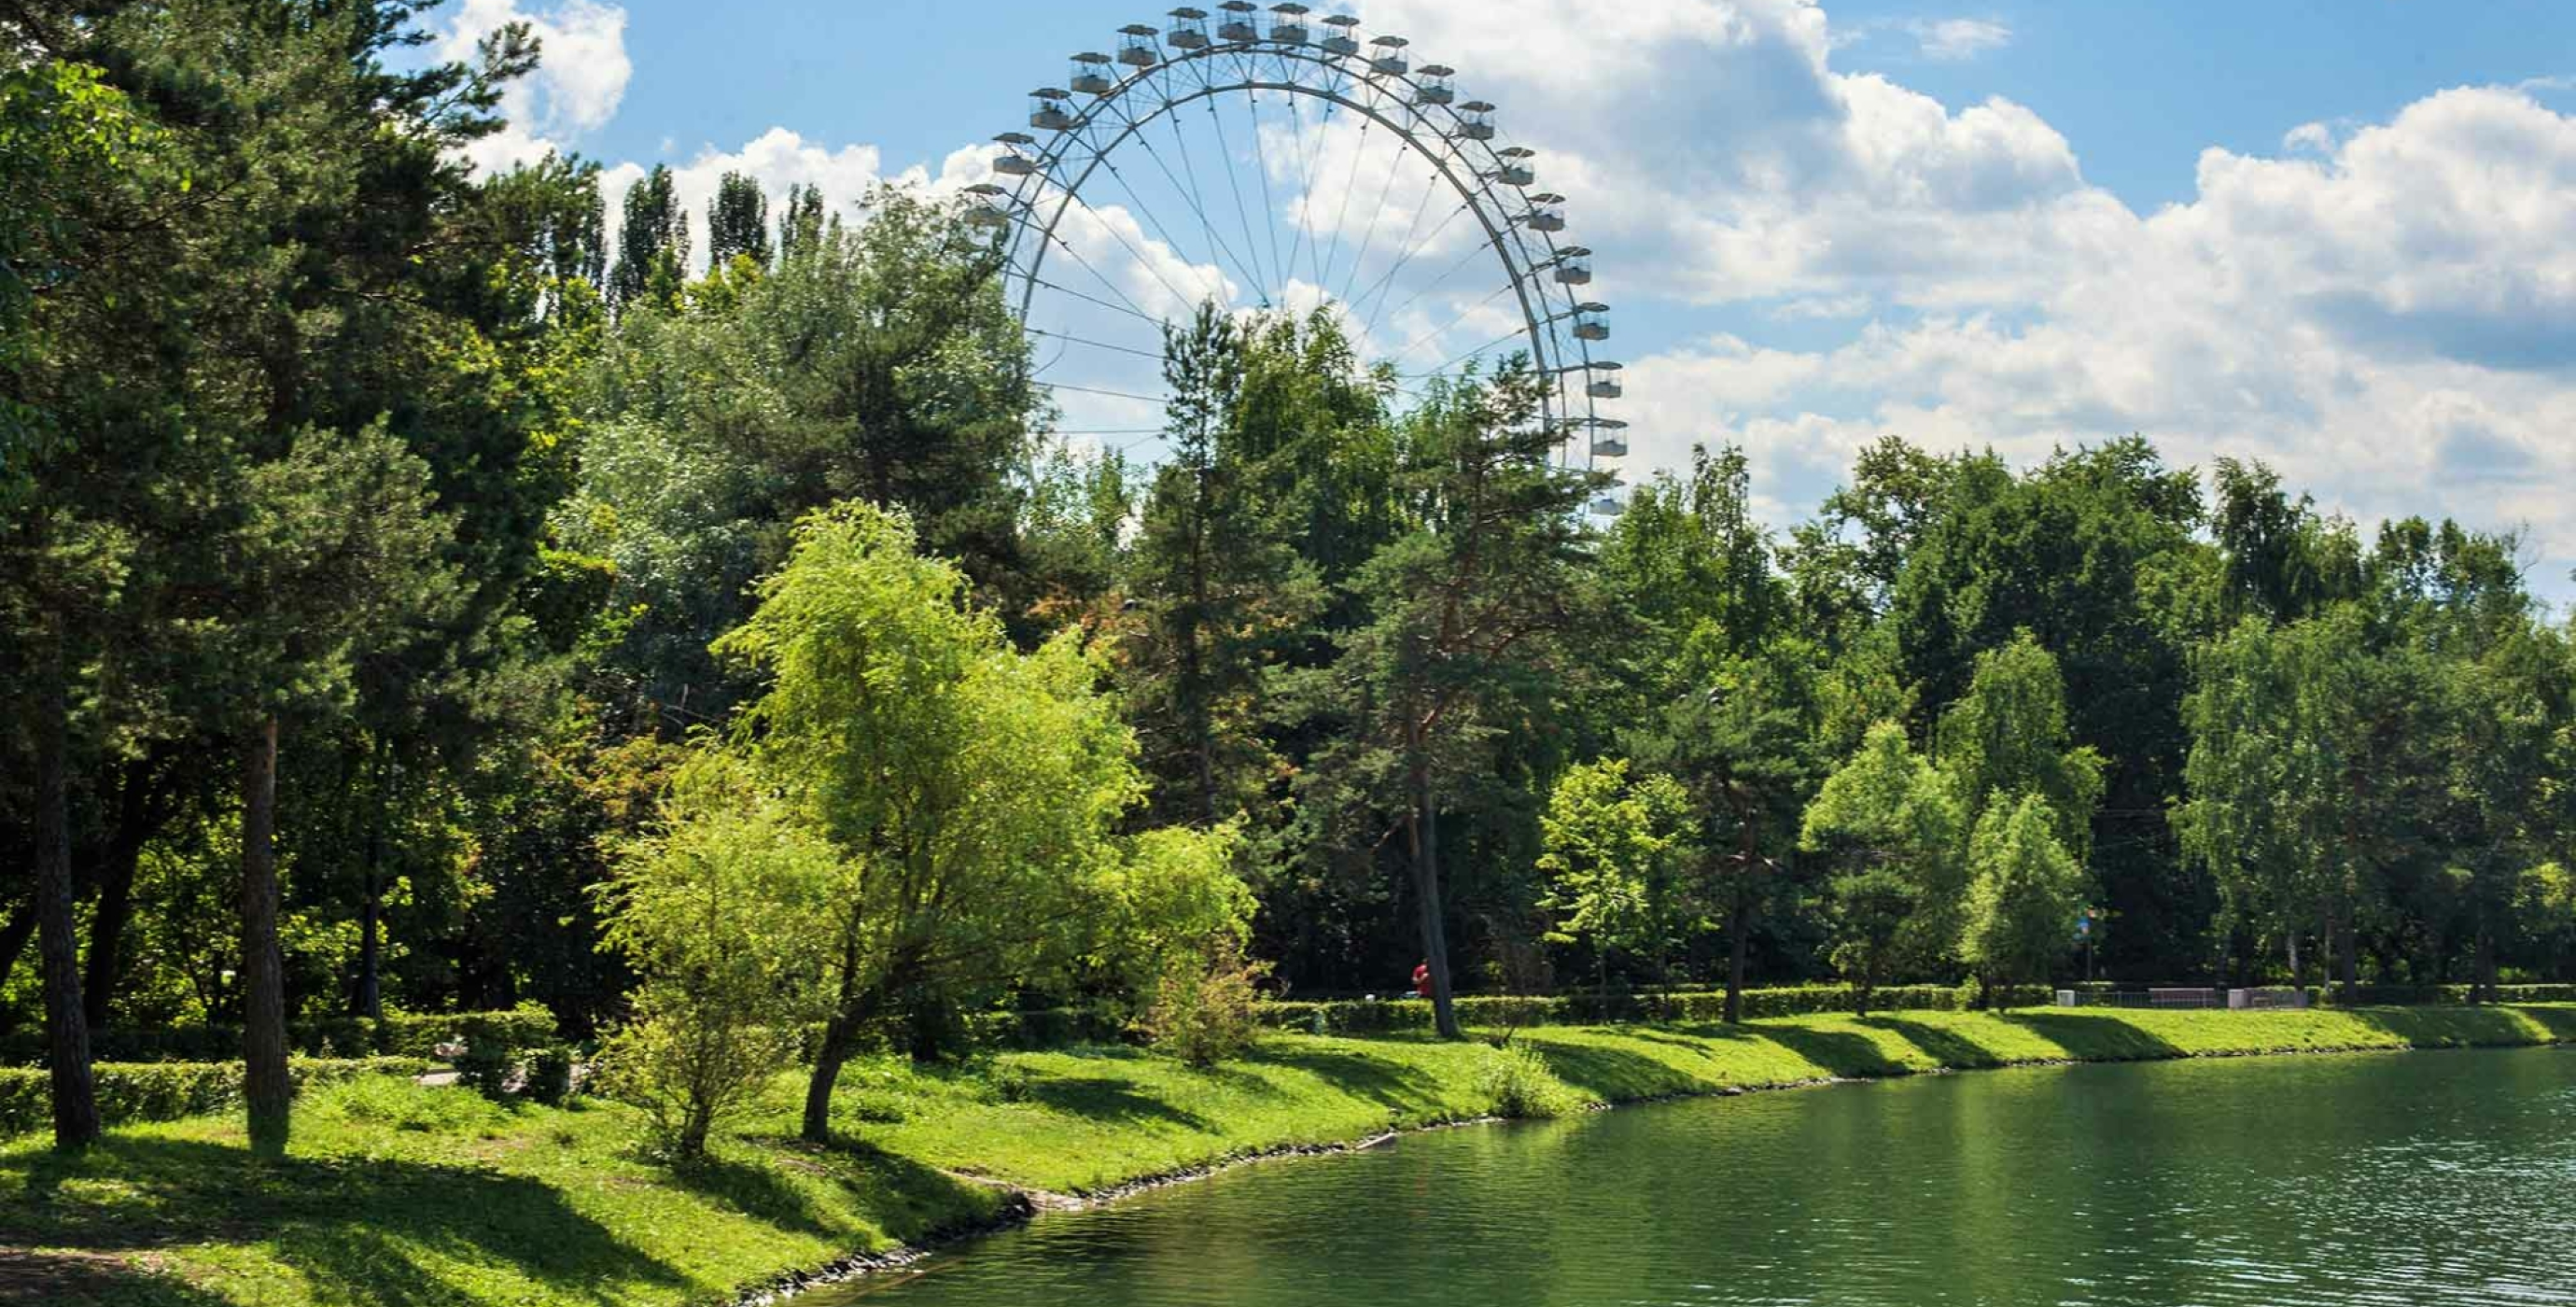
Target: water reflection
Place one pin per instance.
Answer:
(2424, 1178)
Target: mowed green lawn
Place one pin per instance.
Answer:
(400, 1194)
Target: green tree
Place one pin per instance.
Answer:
(2023, 894)
(714, 914)
(1467, 617)
(972, 792)
(2008, 737)
(1617, 863)
(1893, 829)
(738, 221)
(652, 245)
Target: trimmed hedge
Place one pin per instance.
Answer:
(398, 1034)
(1681, 1006)
(166, 1091)
(2426, 995)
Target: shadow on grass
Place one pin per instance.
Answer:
(1100, 1097)
(2099, 1038)
(1839, 1052)
(357, 1225)
(1947, 1047)
(1381, 1080)
(909, 1200)
(1616, 1074)
(2467, 1027)
(758, 1192)
(74, 1280)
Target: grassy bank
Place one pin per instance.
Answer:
(399, 1194)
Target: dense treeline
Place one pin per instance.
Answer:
(404, 602)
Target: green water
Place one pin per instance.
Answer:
(2412, 1178)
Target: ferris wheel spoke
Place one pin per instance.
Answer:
(1216, 293)
(1460, 316)
(1260, 281)
(1394, 165)
(1452, 270)
(1096, 275)
(1269, 207)
(1190, 192)
(1087, 342)
(1130, 311)
(1412, 248)
(1506, 338)
(1359, 150)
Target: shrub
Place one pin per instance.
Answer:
(1517, 1084)
(689, 1065)
(402, 1104)
(487, 1066)
(1207, 1011)
(167, 1091)
(397, 1034)
(550, 1074)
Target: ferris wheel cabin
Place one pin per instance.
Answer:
(1591, 321)
(1574, 266)
(1389, 59)
(1048, 111)
(1138, 47)
(1014, 160)
(1609, 438)
(1339, 38)
(990, 208)
(1434, 85)
(1603, 386)
(1237, 28)
(1188, 30)
(1515, 169)
(1288, 24)
(1547, 213)
(1611, 503)
(1476, 121)
(1092, 74)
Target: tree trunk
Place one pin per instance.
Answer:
(1425, 831)
(1738, 932)
(368, 999)
(839, 1035)
(66, 1032)
(2298, 978)
(134, 823)
(265, 1082)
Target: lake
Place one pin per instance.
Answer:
(2400, 1178)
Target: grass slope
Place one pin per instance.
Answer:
(400, 1195)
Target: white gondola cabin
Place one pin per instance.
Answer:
(1340, 36)
(1016, 158)
(1591, 321)
(1605, 381)
(1547, 213)
(1574, 266)
(1515, 169)
(1387, 57)
(1236, 27)
(1609, 438)
(1476, 121)
(1048, 111)
(1092, 74)
(990, 209)
(1288, 24)
(1138, 46)
(1611, 503)
(1188, 30)
(1433, 84)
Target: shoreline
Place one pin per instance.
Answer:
(1024, 1205)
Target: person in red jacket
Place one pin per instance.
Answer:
(1422, 978)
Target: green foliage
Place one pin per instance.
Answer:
(1617, 860)
(1517, 1084)
(1206, 1009)
(167, 1091)
(549, 1074)
(488, 1067)
(2023, 896)
(2007, 737)
(1892, 825)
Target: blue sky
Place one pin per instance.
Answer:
(2337, 236)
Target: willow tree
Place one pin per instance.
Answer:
(972, 793)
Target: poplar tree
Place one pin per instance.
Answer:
(737, 221)
(652, 244)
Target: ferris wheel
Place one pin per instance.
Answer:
(1271, 161)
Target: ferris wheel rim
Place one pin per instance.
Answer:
(1227, 67)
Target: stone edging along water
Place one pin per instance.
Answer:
(1023, 1205)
